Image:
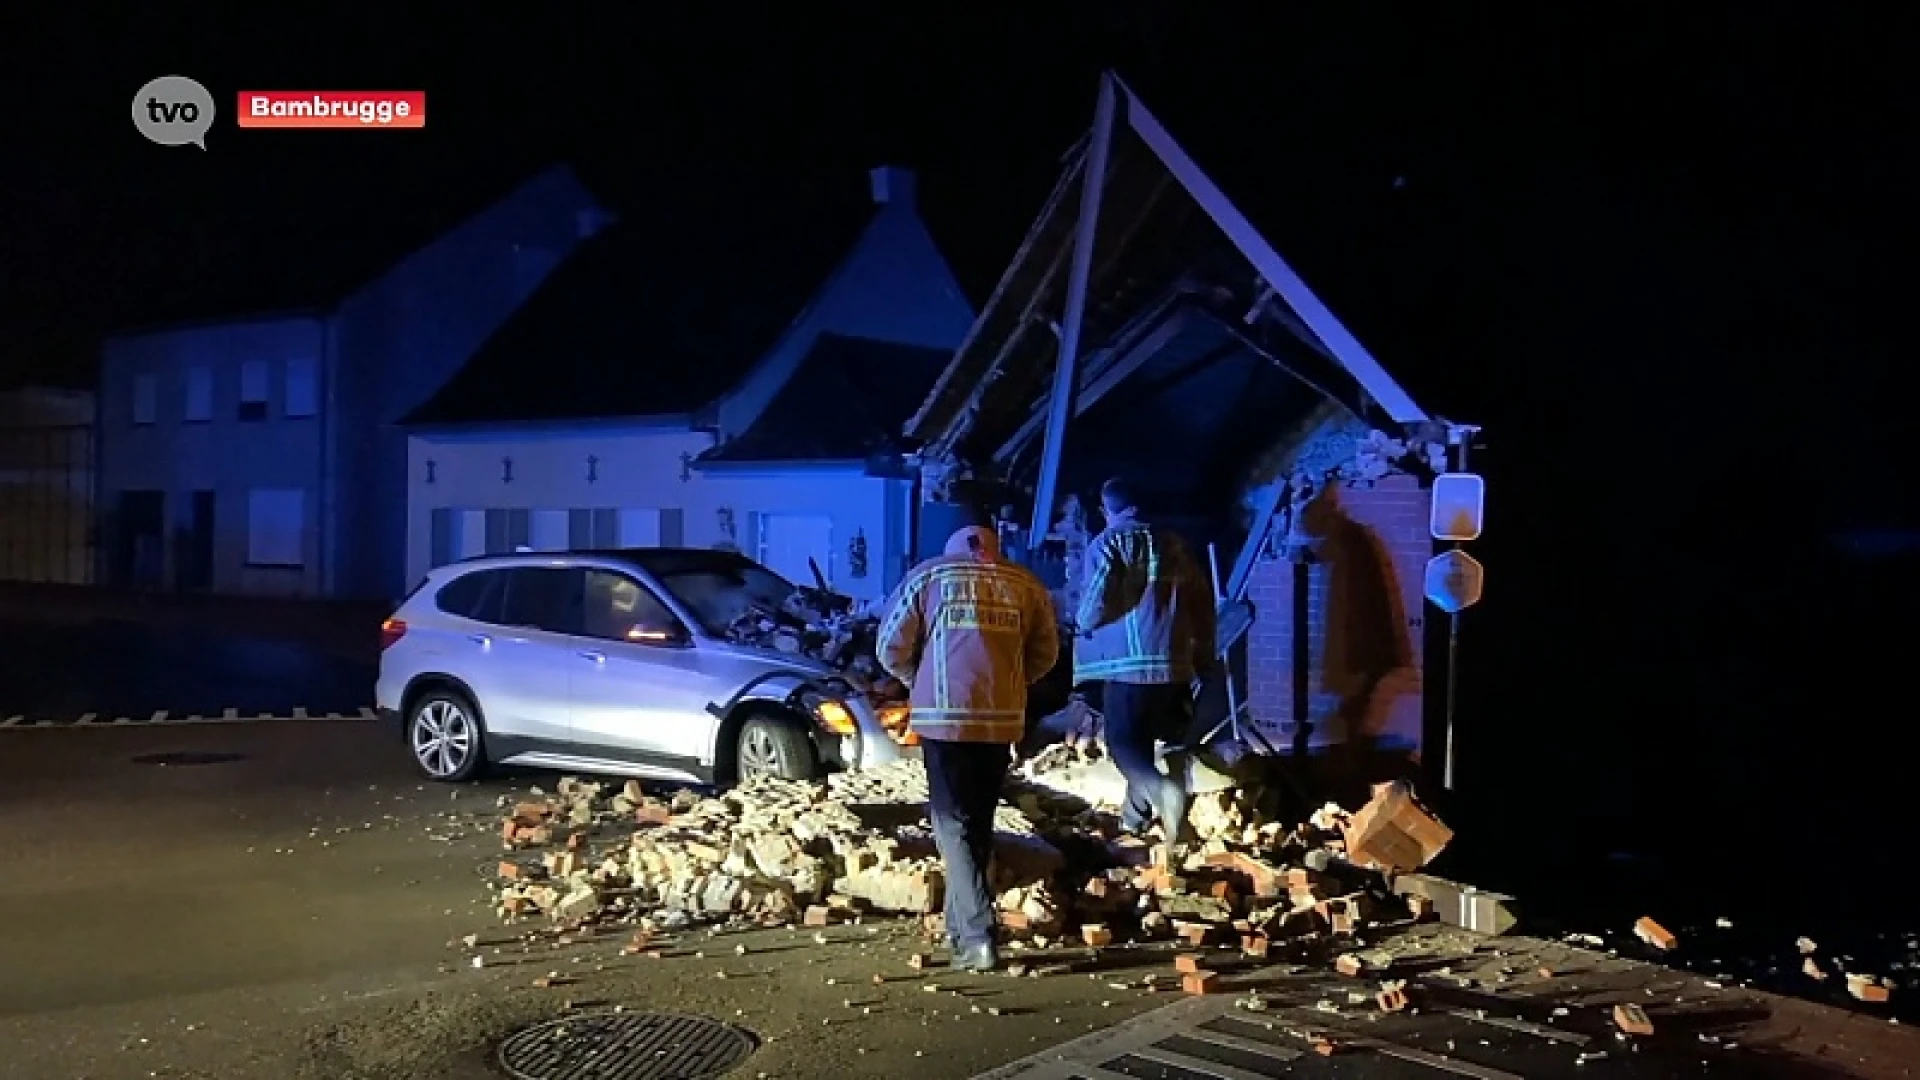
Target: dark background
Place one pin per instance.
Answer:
(1661, 258)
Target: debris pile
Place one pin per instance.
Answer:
(778, 852)
(825, 626)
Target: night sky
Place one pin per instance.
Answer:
(1663, 260)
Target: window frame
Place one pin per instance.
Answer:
(681, 634)
(300, 532)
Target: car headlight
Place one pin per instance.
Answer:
(895, 719)
(834, 716)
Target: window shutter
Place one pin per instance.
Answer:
(580, 529)
(441, 545)
(606, 529)
(673, 528)
(750, 540)
(519, 529)
(497, 542)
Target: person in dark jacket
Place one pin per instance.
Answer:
(968, 632)
(1146, 632)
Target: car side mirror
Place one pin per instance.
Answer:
(671, 636)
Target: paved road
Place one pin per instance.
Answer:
(293, 908)
(61, 670)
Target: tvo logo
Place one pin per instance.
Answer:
(174, 110)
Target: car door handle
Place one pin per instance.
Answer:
(593, 655)
(481, 640)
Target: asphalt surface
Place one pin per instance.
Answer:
(58, 669)
(294, 907)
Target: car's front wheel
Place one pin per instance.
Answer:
(443, 731)
(771, 747)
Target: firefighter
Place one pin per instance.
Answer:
(1146, 632)
(968, 632)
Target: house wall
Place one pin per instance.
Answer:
(625, 467)
(1358, 655)
(224, 454)
(46, 486)
(894, 286)
(403, 335)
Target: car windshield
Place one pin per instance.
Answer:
(717, 592)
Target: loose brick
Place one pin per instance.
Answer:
(577, 841)
(653, 814)
(1097, 888)
(1632, 1019)
(1188, 963)
(1349, 964)
(532, 814)
(509, 830)
(1255, 945)
(1392, 1000)
(512, 871)
(1194, 933)
(1200, 982)
(917, 961)
(1015, 920)
(1812, 969)
(1654, 934)
(1867, 988)
(1325, 1047)
(1421, 907)
(819, 915)
(1096, 935)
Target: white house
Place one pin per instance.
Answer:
(703, 379)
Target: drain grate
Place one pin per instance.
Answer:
(625, 1046)
(188, 757)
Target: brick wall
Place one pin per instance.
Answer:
(1364, 612)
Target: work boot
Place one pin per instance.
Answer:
(982, 957)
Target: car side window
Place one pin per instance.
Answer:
(472, 596)
(543, 598)
(619, 608)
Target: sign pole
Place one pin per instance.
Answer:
(1453, 654)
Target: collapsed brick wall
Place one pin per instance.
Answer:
(1365, 614)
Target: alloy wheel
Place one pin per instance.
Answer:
(757, 754)
(442, 737)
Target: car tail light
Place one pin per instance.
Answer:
(391, 631)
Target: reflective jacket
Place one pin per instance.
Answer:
(968, 633)
(1149, 609)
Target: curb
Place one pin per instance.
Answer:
(167, 718)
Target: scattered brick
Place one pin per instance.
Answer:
(1869, 989)
(1199, 982)
(819, 915)
(1255, 945)
(1324, 1047)
(1392, 1000)
(917, 961)
(1188, 963)
(1655, 935)
(1096, 935)
(1632, 1019)
(1349, 964)
(512, 871)
(1813, 969)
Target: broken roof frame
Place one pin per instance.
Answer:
(943, 421)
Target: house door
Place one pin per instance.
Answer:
(788, 541)
(140, 540)
(196, 547)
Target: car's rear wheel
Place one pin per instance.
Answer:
(772, 747)
(443, 731)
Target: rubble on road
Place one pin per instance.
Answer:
(773, 852)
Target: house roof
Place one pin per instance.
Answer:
(361, 242)
(845, 400)
(663, 312)
(1203, 212)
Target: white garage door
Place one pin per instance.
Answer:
(787, 541)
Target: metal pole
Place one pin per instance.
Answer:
(1453, 652)
(1078, 273)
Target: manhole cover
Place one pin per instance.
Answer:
(188, 757)
(625, 1046)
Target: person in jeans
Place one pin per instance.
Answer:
(968, 632)
(1146, 632)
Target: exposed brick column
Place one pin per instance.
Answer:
(1364, 608)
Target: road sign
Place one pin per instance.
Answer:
(1459, 503)
(1453, 581)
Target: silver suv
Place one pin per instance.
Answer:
(675, 664)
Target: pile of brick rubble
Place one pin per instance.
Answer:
(775, 853)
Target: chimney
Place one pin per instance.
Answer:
(892, 185)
